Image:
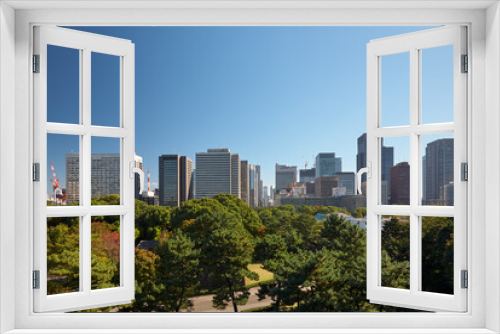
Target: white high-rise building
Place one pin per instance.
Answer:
(217, 172)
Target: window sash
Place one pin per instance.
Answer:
(414, 297)
(86, 43)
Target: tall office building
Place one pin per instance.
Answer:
(438, 168)
(176, 179)
(424, 177)
(327, 164)
(217, 172)
(138, 164)
(285, 175)
(307, 175)
(346, 180)
(253, 185)
(400, 184)
(387, 162)
(244, 181)
(260, 187)
(236, 175)
(105, 176)
(324, 185)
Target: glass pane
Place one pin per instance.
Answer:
(63, 85)
(63, 255)
(396, 252)
(395, 171)
(105, 252)
(395, 89)
(437, 254)
(105, 90)
(63, 169)
(105, 179)
(437, 84)
(437, 169)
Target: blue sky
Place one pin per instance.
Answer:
(271, 94)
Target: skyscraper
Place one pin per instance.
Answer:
(105, 177)
(217, 172)
(438, 168)
(327, 164)
(244, 181)
(346, 180)
(176, 179)
(285, 175)
(253, 186)
(236, 175)
(307, 175)
(324, 185)
(400, 184)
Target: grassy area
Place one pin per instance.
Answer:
(264, 275)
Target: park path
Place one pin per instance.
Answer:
(204, 303)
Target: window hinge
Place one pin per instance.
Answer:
(464, 167)
(36, 172)
(465, 64)
(36, 279)
(36, 63)
(465, 279)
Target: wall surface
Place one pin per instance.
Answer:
(492, 148)
(7, 167)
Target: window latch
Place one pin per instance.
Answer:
(465, 64)
(368, 171)
(134, 170)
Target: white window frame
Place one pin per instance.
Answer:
(85, 44)
(414, 43)
(483, 21)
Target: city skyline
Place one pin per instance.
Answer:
(213, 79)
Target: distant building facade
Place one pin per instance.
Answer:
(285, 175)
(327, 164)
(438, 168)
(138, 164)
(105, 175)
(324, 185)
(176, 179)
(346, 180)
(400, 184)
(244, 181)
(307, 175)
(217, 172)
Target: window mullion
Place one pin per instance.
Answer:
(415, 265)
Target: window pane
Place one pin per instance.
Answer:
(395, 252)
(105, 89)
(105, 180)
(437, 254)
(63, 85)
(105, 252)
(437, 84)
(395, 171)
(437, 169)
(63, 255)
(395, 89)
(63, 169)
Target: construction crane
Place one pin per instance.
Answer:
(55, 184)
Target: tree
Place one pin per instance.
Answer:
(178, 271)
(154, 223)
(308, 228)
(227, 251)
(147, 287)
(234, 205)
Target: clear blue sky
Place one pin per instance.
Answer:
(271, 94)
